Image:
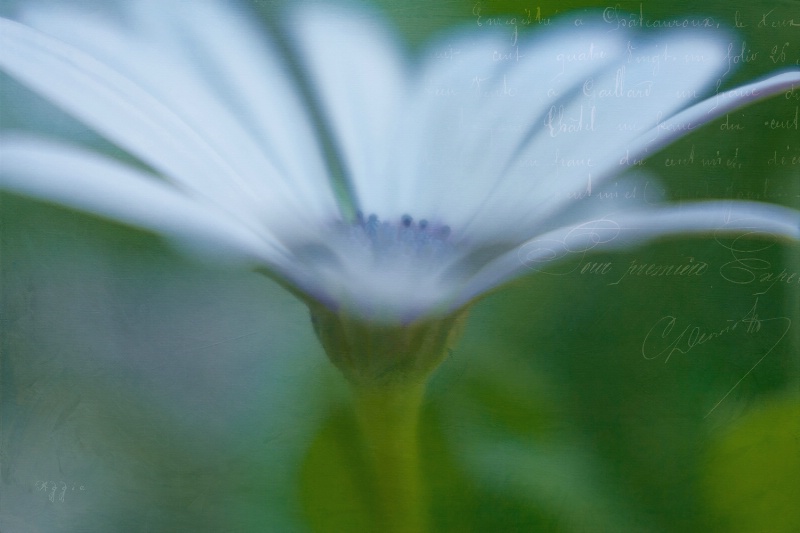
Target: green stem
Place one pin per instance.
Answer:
(388, 417)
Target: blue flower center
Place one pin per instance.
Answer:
(404, 238)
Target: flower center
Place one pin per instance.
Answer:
(403, 239)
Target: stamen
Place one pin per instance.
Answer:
(390, 241)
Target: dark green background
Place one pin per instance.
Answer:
(142, 391)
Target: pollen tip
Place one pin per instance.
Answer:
(389, 241)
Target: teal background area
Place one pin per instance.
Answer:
(143, 391)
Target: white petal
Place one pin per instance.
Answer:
(499, 96)
(357, 70)
(712, 108)
(630, 228)
(184, 71)
(95, 184)
(581, 136)
(635, 145)
(632, 190)
(125, 113)
(228, 52)
(427, 155)
(106, 100)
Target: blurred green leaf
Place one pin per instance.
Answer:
(752, 475)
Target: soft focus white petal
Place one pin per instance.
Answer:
(426, 150)
(183, 74)
(646, 191)
(84, 180)
(629, 228)
(477, 102)
(225, 47)
(357, 71)
(104, 99)
(635, 145)
(126, 114)
(585, 135)
(712, 108)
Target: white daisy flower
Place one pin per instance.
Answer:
(387, 189)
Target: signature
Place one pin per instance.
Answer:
(665, 338)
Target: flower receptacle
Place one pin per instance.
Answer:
(377, 355)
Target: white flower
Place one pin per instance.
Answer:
(464, 162)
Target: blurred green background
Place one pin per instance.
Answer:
(142, 391)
